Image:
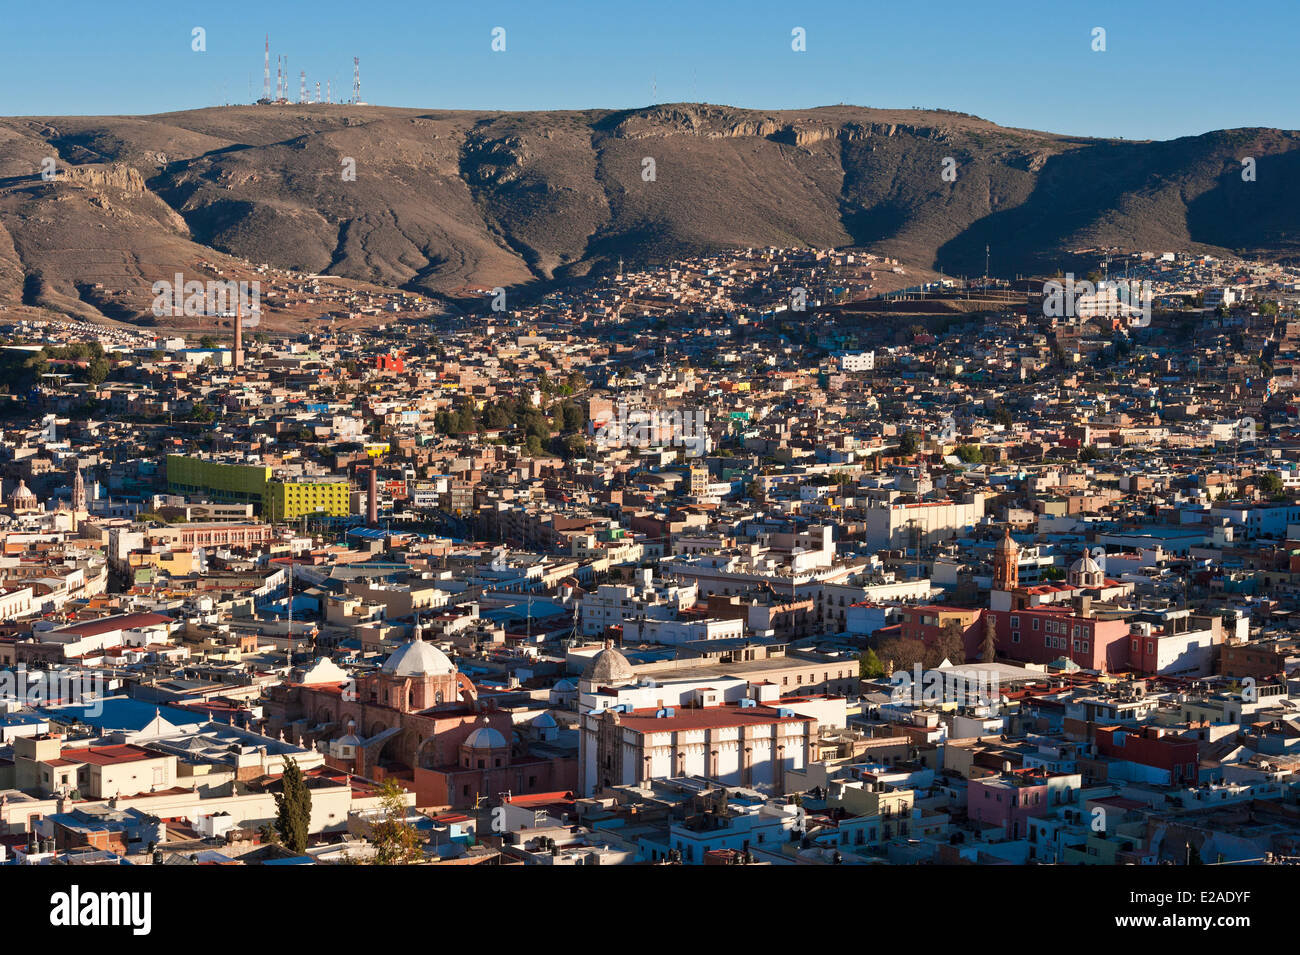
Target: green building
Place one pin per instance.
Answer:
(217, 480)
(276, 501)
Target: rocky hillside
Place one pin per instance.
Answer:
(442, 200)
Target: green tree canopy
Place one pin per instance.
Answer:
(293, 809)
(396, 841)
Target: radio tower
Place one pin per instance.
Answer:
(302, 86)
(329, 93)
(284, 94)
(266, 71)
(317, 100)
(279, 76)
(356, 79)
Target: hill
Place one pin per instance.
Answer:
(443, 200)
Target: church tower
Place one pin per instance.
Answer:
(1006, 564)
(78, 492)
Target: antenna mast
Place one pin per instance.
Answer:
(266, 70)
(290, 610)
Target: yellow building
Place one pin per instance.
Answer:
(288, 501)
(275, 500)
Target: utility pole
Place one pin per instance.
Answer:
(290, 611)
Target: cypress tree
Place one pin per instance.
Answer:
(293, 808)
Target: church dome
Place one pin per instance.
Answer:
(22, 496)
(1086, 572)
(1006, 545)
(485, 737)
(417, 658)
(608, 667)
(350, 738)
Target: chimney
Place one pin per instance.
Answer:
(238, 356)
(372, 499)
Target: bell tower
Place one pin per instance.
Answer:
(1006, 564)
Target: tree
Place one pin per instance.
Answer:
(908, 444)
(1270, 485)
(989, 648)
(396, 841)
(293, 808)
(869, 665)
(950, 646)
(97, 371)
(900, 653)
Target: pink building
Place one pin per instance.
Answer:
(1045, 634)
(1008, 800)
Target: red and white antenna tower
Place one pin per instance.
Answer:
(279, 75)
(356, 79)
(317, 99)
(266, 70)
(302, 86)
(329, 93)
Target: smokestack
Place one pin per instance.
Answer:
(372, 499)
(239, 332)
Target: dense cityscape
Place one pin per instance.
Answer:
(765, 557)
(440, 441)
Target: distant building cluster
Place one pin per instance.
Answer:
(766, 557)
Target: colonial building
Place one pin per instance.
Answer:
(743, 744)
(414, 712)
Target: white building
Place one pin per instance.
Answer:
(745, 744)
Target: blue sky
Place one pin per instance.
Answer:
(1169, 68)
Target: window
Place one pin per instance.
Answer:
(1035, 623)
(1015, 622)
(1015, 636)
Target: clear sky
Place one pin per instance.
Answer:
(1170, 68)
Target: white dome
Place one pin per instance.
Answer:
(1085, 565)
(485, 737)
(609, 667)
(417, 658)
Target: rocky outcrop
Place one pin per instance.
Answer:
(105, 176)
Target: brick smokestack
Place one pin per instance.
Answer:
(239, 332)
(372, 499)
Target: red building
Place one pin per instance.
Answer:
(1047, 634)
(1153, 756)
(486, 766)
